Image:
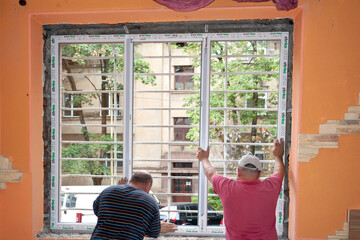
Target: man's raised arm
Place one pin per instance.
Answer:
(203, 157)
(278, 153)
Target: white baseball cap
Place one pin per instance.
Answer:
(250, 159)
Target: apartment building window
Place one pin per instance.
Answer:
(183, 77)
(70, 103)
(181, 131)
(111, 104)
(182, 165)
(156, 126)
(181, 187)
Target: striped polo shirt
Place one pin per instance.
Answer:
(125, 212)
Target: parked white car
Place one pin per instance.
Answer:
(79, 200)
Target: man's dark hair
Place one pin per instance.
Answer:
(141, 177)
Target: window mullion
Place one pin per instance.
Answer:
(170, 179)
(128, 106)
(225, 105)
(204, 128)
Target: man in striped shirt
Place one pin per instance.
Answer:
(128, 211)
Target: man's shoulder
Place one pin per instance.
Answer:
(132, 194)
(116, 188)
(123, 189)
(145, 198)
(274, 177)
(273, 182)
(219, 178)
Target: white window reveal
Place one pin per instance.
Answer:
(129, 102)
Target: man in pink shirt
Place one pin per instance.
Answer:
(249, 204)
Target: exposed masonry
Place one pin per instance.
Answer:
(7, 173)
(329, 133)
(341, 235)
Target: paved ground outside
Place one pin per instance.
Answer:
(87, 236)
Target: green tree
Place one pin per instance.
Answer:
(233, 81)
(113, 63)
(213, 201)
(88, 151)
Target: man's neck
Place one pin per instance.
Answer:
(139, 186)
(247, 178)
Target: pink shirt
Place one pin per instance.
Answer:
(249, 207)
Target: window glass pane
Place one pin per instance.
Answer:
(91, 146)
(189, 84)
(179, 85)
(243, 105)
(162, 120)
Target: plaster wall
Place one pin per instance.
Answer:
(325, 83)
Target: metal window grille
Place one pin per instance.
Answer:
(101, 145)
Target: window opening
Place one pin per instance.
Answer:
(109, 102)
(181, 131)
(136, 110)
(70, 102)
(182, 165)
(184, 81)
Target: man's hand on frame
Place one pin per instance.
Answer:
(167, 227)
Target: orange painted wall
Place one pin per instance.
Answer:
(325, 83)
(329, 184)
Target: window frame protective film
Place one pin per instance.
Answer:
(128, 40)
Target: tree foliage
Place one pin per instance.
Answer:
(108, 58)
(115, 62)
(77, 150)
(234, 73)
(213, 201)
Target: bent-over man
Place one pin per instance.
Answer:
(128, 211)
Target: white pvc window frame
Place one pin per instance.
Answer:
(128, 40)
